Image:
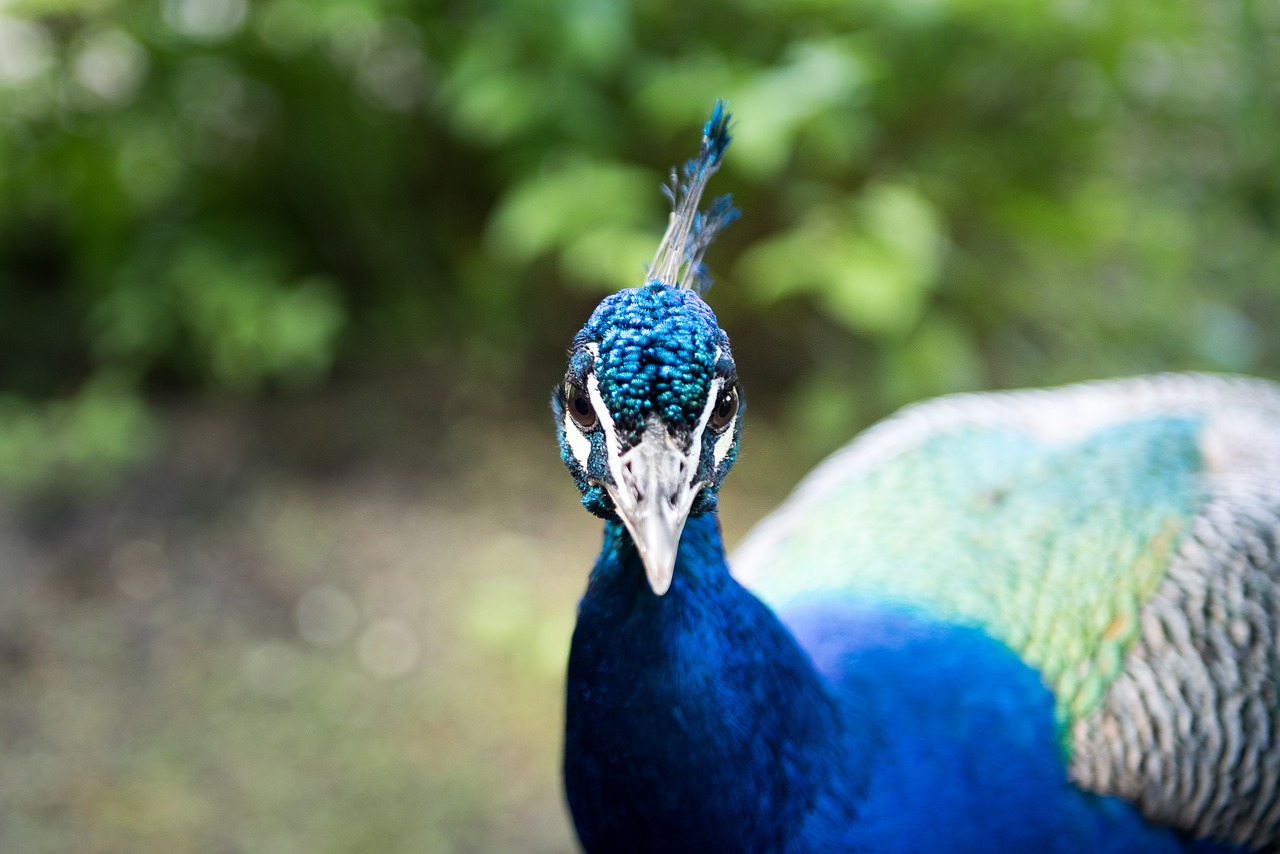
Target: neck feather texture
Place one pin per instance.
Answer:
(693, 719)
(695, 722)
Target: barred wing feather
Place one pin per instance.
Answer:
(1121, 536)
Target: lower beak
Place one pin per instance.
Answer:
(653, 499)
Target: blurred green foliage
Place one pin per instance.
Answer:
(239, 198)
(938, 194)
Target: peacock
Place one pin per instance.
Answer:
(1028, 621)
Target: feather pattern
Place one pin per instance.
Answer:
(1024, 621)
(1166, 676)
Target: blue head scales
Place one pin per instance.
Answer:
(649, 413)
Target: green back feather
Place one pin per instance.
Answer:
(1051, 547)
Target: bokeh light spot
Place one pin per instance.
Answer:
(207, 20)
(110, 66)
(25, 51)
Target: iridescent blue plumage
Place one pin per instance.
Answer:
(922, 685)
(658, 350)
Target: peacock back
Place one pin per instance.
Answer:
(1120, 536)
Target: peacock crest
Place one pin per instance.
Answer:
(678, 261)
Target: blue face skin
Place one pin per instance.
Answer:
(653, 354)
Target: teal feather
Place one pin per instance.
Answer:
(1044, 546)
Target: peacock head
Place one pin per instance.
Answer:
(649, 414)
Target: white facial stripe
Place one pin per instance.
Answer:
(614, 447)
(695, 445)
(725, 442)
(577, 439)
(611, 443)
(579, 444)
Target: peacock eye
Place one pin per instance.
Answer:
(580, 408)
(726, 408)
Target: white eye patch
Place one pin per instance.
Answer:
(725, 442)
(695, 446)
(579, 444)
(575, 436)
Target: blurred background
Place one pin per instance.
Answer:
(288, 561)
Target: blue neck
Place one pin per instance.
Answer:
(684, 709)
(695, 722)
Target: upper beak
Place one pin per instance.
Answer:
(653, 499)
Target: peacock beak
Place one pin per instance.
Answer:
(653, 498)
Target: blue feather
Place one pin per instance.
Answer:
(697, 721)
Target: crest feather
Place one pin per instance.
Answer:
(678, 261)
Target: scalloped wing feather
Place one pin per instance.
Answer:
(1121, 536)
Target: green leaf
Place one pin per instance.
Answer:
(557, 206)
(871, 264)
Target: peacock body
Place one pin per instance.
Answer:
(1120, 536)
(1026, 621)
